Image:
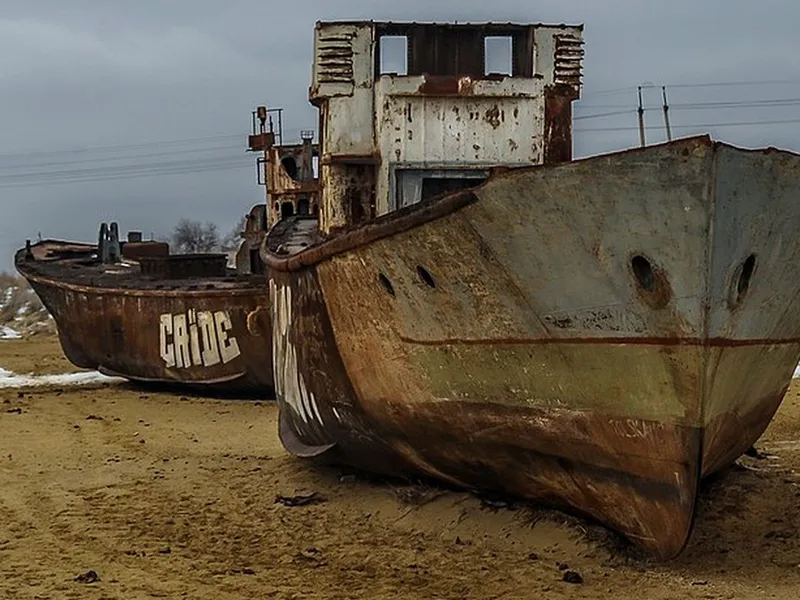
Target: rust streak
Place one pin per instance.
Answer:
(642, 341)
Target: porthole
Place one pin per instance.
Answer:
(643, 271)
(742, 279)
(651, 282)
(426, 277)
(387, 285)
(746, 273)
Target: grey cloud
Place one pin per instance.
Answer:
(83, 74)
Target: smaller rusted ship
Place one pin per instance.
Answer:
(133, 310)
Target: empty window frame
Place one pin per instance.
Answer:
(394, 55)
(498, 52)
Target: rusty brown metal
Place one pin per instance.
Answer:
(558, 123)
(449, 109)
(387, 225)
(353, 159)
(261, 141)
(184, 266)
(560, 333)
(177, 325)
(135, 250)
(458, 49)
(291, 186)
(444, 85)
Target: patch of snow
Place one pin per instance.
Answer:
(9, 293)
(6, 333)
(797, 371)
(11, 380)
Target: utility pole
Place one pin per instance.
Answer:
(666, 113)
(641, 119)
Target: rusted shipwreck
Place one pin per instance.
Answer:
(474, 305)
(132, 309)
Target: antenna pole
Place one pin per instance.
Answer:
(641, 119)
(666, 113)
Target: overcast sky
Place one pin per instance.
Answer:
(98, 99)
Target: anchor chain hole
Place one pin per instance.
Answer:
(643, 271)
(746, 273)
(387, 285)
(426, 277)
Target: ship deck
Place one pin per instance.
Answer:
(76, 263)
(293, 235)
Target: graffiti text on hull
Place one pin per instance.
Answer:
(197, 338)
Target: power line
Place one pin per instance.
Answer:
(696, 125)
(734, 83)
(115, 147)
(120, 169)
(715, 105)
(776, 102)
(132, 175)
(630, 88)
(607, 114)
(117, 158)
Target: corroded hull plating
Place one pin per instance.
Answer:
(597, 335)
(206, 334)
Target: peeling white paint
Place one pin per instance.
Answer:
(290, 386)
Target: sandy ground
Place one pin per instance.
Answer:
(166, 496)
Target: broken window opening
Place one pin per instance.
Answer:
(498, 55)
(438, 186)
(287, 210)
(415, 185)
(302, 205)
(290, 166)
(393, 55)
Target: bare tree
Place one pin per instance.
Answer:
(190, 237)
(233, 238)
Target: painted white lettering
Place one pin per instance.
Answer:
(228, 346)
(194, 338)
(197, 338)
(167, 349)
(182, 357)
(208, 334)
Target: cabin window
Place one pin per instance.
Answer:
(394, 55)
(497, 55)
(290, 166)
(416, 185)
(437, 186)
(302, 205)
(287, 210)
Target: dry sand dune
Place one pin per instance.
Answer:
(156, 495)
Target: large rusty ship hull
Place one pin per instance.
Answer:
(208, 333)
(597, 335)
